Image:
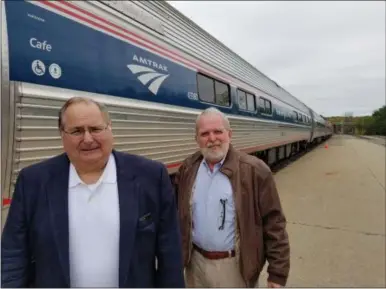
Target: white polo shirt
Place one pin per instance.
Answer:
(94, 229)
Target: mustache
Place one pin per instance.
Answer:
(210, 145)
(89, 147)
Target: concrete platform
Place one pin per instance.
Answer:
(334, 201)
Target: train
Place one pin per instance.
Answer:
(153, 68)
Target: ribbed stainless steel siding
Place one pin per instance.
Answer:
(6, 109)
(160, 132)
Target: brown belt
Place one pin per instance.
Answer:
(215, 255)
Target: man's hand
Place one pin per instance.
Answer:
(273, 285)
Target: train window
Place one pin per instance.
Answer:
(261, 105)
(205, 88)
(222, 93)
(213, 91)
(268, 107)
(242, 99)
(295, 115)
(250, 102)
(247, 100)
(265, 106)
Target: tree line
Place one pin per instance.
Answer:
(374, 124)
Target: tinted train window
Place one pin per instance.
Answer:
(213, 91)
(246, 100)
(242, 99)
(261, 105)
(265, 106)
(268, 107)
(250, 102)
(205, 88)
(222, 93)
(295, 115)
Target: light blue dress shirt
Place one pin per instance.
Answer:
(210, 189)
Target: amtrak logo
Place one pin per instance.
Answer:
(147, 75)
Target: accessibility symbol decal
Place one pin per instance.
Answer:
(38, 67)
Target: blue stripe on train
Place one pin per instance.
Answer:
(92, 61)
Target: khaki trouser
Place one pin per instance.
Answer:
(203, 272)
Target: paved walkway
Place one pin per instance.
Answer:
(334, 200)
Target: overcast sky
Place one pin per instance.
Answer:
(329, 54)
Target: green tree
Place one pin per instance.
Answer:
(374, 124)
(378, 125)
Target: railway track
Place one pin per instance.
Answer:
(276, 167)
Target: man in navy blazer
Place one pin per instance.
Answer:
(92, 217)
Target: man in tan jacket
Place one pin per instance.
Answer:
(230, 213)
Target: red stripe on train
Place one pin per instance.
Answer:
(167, 52)
(6, 201)
(161, 50)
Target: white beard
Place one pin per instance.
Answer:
(215, 156)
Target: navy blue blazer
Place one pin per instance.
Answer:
(35, 239)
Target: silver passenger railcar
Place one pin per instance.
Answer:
(153, 68)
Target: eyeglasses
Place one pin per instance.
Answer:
(80, 131)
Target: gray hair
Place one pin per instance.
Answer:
(213, 110)
(75, 100)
